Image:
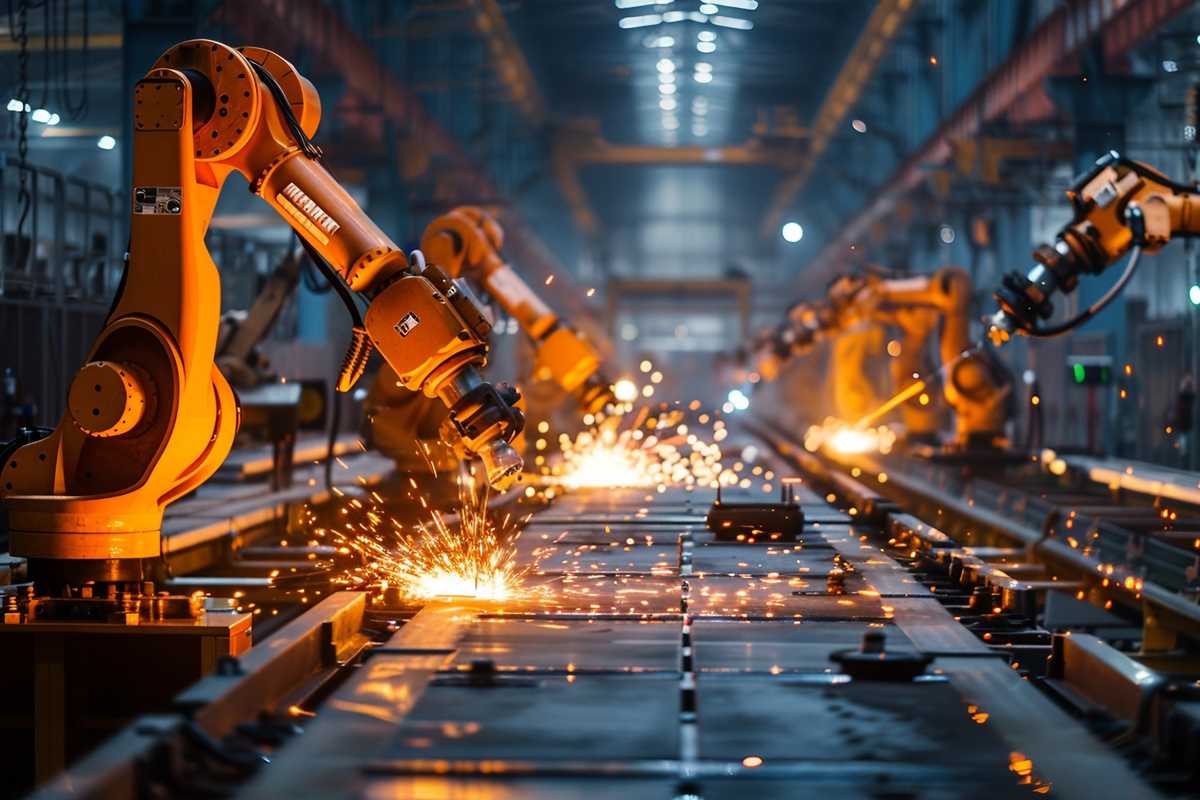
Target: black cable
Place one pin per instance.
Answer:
(285, 108)
(74, 110)
(343, 291)
(1095, 308)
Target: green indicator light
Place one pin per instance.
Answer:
(1079, 372)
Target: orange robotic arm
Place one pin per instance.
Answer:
(149, 417)
(974, 386)
(1118, 205)
(467, 242)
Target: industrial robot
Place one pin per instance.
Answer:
(466, 243)
(975, 386)
(1121, 206)
(149, 416)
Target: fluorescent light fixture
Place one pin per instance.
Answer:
(706, 47)
(696, 16)
(702, 77)
(54, 119)
(665, 65)
(792, 232)
(674, 16)
(703, 66)
(666, 78)
(40, 115)
(623, 4)
(708, 8)
(17, 105)
(670, 123)
(640, 21)
(667, 103)
(106, 142)
(706, 36)
(666, 88)
(743, 5)
(733, 22)
(659, 41)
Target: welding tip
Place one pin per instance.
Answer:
(502, 463)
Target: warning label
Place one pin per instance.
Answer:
(404, 327)
(157, 200)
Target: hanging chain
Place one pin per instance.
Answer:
(24, 196)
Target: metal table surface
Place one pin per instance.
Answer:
(661, 663)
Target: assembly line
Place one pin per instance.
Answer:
(389, 505)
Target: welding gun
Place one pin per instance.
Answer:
(1121, 206)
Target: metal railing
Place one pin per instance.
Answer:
(60, 270)
(71, 245)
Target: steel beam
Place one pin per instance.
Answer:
(1010, 88)
(517, 78)
(509, 60)
(884, 24)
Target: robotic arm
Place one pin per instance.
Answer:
(1121, 205)
(466, 242)
(974, 387)
(149, 417)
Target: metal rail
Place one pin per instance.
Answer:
(1164, 613)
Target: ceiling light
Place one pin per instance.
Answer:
(702, 77)
(744, 5)
(659, 41)
(639, 3)
(706, 47)
(666, 88)
(666, 78)
(40, 115)
(665, 65)
(699, 105)
(674, 16)
(106, 142)
(699, 111)
(640, 21)
(670, 123)
(17, 105)
(792, 232)
(706, 36)
(708, 8)
(703, 66)
(946, 234)
(733, 22)
(667, 103)
(699, 130)
(859, 126)
(54, 119)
